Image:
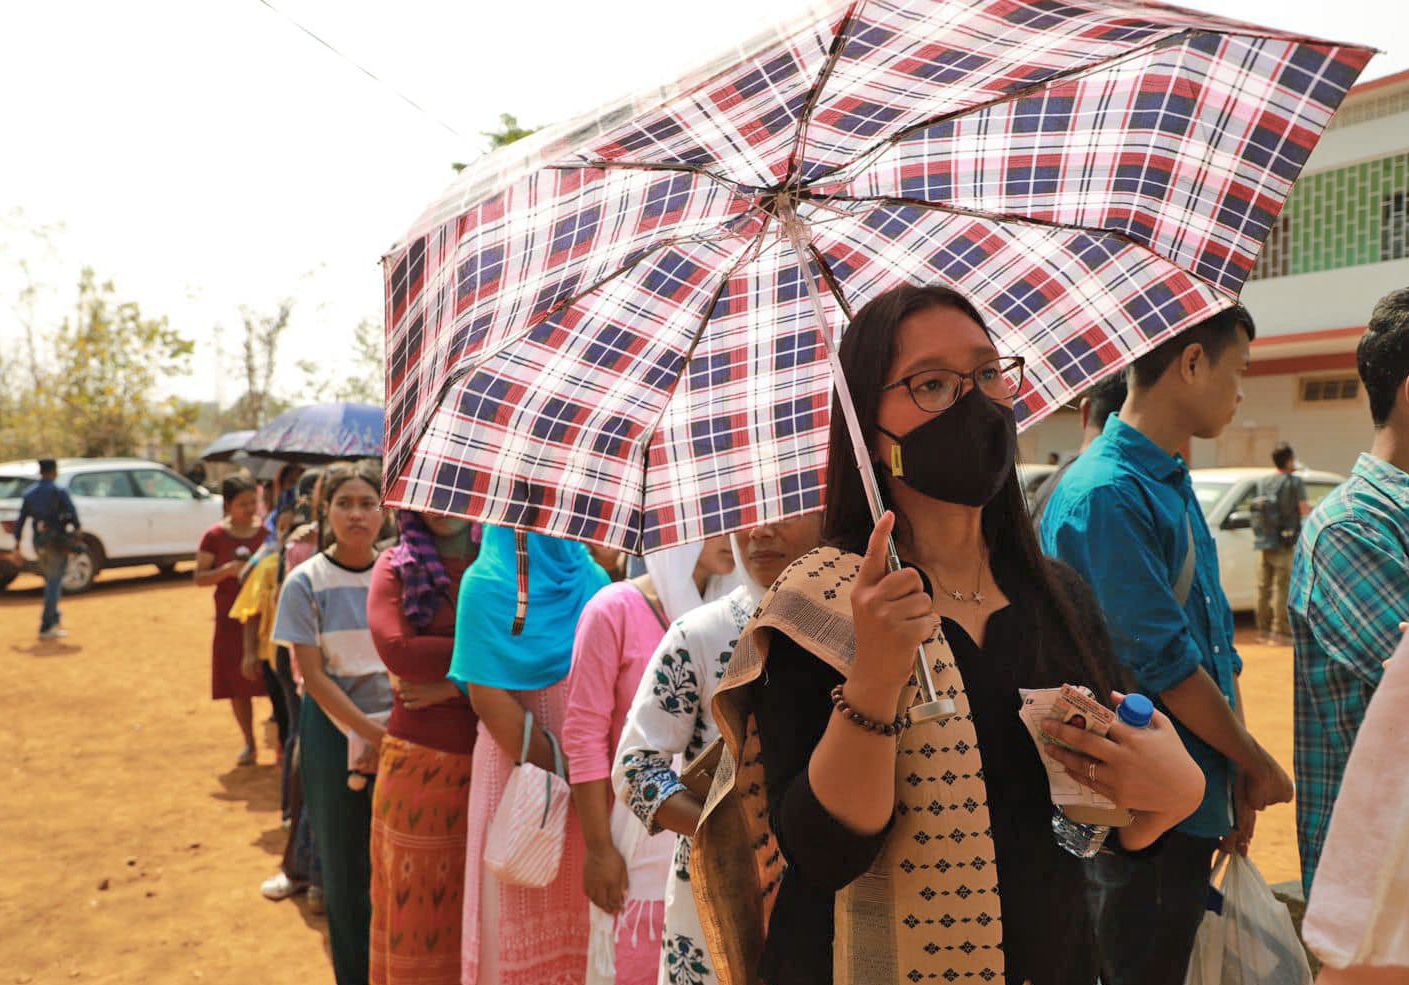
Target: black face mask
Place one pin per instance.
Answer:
(963, 455)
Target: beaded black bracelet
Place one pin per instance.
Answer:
(856, 718)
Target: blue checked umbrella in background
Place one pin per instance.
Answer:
(321, 433)
(610, 331)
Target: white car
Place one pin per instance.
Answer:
(1224, 495)
(1031, 476)
(132, 512)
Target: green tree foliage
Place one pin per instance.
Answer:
(260, 359)
(98, 391)
(364, 382)
(508, 132)
(109, 362)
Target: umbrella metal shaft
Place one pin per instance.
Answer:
(931, 706)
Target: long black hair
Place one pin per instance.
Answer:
(1064, 652)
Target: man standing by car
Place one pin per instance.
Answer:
(1125, 516)
(1277, 511)
(55, 522)
(1350, 584)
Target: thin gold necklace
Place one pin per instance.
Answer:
(976, 597)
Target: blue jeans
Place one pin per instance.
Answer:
(1147, 909)
(52, 565)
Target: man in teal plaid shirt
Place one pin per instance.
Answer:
(1350, 584)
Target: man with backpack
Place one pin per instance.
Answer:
(1277, 511)
(55, 524)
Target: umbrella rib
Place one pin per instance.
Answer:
(737, 187)
(814, 96)
(459, 374)
(920, 203)
(830, 279)
(860, 161)
(685, 364)
(573, 299)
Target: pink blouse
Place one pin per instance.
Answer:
(616, 636)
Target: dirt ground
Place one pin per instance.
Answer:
(132, 848)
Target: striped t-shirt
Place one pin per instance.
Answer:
(324, 604)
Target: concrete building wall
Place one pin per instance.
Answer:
(1060, 433)
(1326, 436)
(1338, 298)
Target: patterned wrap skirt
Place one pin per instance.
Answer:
(418, 864)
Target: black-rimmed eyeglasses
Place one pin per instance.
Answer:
(936, 390)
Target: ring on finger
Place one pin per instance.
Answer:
(1091, 771)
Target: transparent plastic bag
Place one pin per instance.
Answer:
(1252, 941)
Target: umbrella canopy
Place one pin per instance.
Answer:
(260, 468)
(606, 333)
(321, 433)
(223, 448)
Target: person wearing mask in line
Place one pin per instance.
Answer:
(1126, 518)
(423, 776)
(1278, 510)
(224, 549)
(518, 935)
(625, 871)
(1350, 583)
(322, 618)
(671, 717)
(922, 850)
(1096, 407)
(55, 525)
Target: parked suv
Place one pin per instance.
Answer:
(133, 512)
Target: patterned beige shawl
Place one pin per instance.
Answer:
(928, 909)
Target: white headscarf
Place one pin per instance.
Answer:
(672, 574)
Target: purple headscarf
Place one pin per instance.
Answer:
(424, 583)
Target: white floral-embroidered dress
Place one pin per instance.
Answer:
(671, 718)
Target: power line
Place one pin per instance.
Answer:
(366, 71)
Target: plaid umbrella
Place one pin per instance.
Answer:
(605, 333)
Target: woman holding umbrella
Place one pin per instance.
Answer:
(925, 849)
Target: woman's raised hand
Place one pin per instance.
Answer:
(893, 616)
(1141, 769)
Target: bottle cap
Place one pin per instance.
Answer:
(1136, 710)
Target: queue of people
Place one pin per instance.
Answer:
(725, 738)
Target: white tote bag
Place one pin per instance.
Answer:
(524, 845)
(1252, 942)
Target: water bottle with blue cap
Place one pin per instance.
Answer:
(1085, 840)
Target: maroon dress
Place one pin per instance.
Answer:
(227, 650)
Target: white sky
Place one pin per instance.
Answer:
(207, 153)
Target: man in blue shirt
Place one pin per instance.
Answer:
(1124, 516)
(55, 520)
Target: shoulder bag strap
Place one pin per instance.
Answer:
(1185, 582)
(527, 736)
